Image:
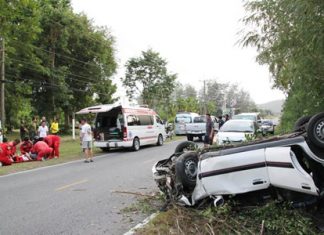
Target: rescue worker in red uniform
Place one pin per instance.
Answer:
(42, 150)
(7, 152)
(5, 158)
(26, 146)
(53, 141)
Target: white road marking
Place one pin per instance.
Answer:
(141, 224)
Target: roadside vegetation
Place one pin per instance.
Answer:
(288, 35)
(231, 218)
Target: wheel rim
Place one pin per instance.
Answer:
(136, 144)
(191, 169)
(319, 131)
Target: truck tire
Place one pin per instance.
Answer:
(190, 137)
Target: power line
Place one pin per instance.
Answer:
(51, 52)
(37, 70)
(49, 85)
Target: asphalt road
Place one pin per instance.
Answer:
(78, 198)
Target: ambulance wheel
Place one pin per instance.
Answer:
(136, 144)
(186, 168)
(160, 140)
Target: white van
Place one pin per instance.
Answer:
(125, 126)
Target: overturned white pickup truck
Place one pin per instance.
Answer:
(289, 167)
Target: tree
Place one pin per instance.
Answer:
(56, 61)
(147, 77)
(288, 35)
(77, 62)
(19, 24)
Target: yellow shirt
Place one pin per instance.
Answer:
(54, 127)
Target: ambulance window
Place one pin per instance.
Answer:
(132, 120)
(145, 120)
(158, 120)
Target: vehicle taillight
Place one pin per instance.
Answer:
(125, 132)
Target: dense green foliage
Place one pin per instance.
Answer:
(148, 79)
(289, 36)
(56, 61)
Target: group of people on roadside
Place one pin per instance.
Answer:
(209, 136)
(35, 144)
(40, 129)
(39, 150)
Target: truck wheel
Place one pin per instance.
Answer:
(136, 144)
(160, 140)
(186, 168)
(299, 124)
(315, 130)
(185, 146)
(189, 137)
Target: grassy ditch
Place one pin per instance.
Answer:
(272, 218)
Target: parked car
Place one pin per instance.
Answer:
(267, 126)
(125, 126)
(181, 120)
(197, 128)
(249, 116)
(289, 167)
(236, 131)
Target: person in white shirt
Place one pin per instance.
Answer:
(43, 130)
(86, 140)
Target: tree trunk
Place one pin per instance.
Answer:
(66, 121)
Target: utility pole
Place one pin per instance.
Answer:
(205, 105)
(2, 87)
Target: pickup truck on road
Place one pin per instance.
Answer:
(197, 128)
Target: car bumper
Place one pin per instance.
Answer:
(113, 144)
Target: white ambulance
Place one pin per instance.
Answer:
(125, 126)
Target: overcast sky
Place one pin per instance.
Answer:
(197, 38)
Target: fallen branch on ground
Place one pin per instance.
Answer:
(133, 193)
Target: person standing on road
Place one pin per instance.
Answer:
(86, 140)
(43, 130)
(209, 131)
